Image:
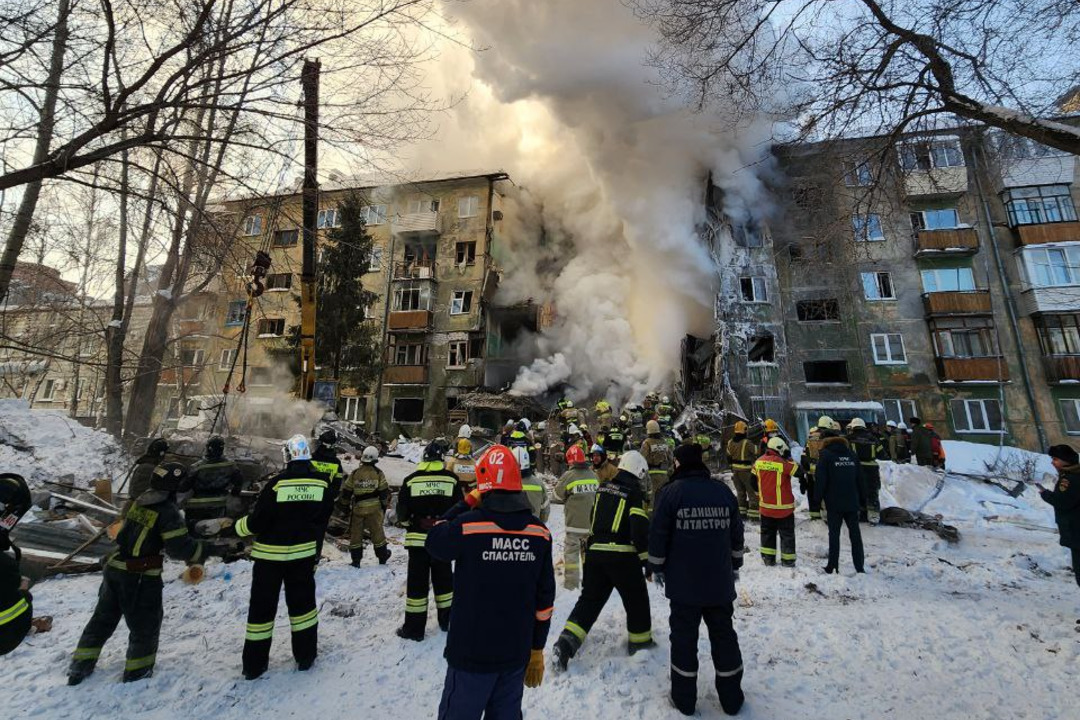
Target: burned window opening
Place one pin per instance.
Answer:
(761, 349)
(833, 372)
(818, 310)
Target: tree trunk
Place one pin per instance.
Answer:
(24, 216)
(144, 387)
(114, 332)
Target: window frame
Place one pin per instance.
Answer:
(374, 214)
(981, 327)
(462, 354)
(334, 216)
(1036, 213)
(1058, 331)
(876, 276)
(862, 225)
(469, 246)
(242, 306)
(900, 404)
(892, 358)
(968, 403)
(1037, 265)
(756, 283)
(925, 154)
(858, 174)
(48, 390)
(1065, 416)
(294, 233)
(937, 273)
(198, 356)
(918, 219)
(271, 288)
(252, 225)
(408, 288)
(264, 323)
(471, 206)
(463, 301)
(226, 358)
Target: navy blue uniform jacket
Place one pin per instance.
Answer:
(838, 479)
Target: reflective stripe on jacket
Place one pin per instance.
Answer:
(775, 498)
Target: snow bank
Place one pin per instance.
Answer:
(1006, 462)
(47, 445)
(410, 450)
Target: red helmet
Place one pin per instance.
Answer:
(575, 455)
(497, 470)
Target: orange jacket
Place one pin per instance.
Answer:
(773, 474)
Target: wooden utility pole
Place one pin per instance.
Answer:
(309, 80)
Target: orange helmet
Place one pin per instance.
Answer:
(497, 470)
(575, 455)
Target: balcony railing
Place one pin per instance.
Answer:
(405, 374)
(419, 223)
(973, 369)
(954, 241)
(963, 302)
(936, 182)
(1062, 368)
(409, 320)
(191, 327)
(414, 270)
(1048, 233)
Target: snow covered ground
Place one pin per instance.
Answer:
(979, 629)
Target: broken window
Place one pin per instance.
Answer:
(807, 197)
(760, 349)
(271, 327)
(409, 353)
(461, 303)
(191, 357)
(877, 286)
(235, 314)
(926, 155)
(423, 205)
(964, 337)
(465, 253)
(412, 295)
(408, 410)
(458, 354)
(754, 289)
(279, 281)
(747, 235)
(857, 174)
(286, 238)
(819, 310)
(939, 219)
(826, 371)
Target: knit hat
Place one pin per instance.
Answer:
(688, 455)
(1065, 453)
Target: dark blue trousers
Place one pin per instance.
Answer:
(727, 658)
(491, 696)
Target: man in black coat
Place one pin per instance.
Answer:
(1065, 497)
(838, 484)
(16, 603)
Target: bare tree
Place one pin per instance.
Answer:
(876, 67)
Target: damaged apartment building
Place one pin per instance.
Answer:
(937, 276)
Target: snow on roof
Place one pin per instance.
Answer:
(839, 405)
(338, 181)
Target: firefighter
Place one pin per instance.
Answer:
(868, 448)
(900, 444)
(657, 454)
(424, 496)
(288, 522)
(505, 587)
(463, 447)
(838, 483)
(774, 472)
(705, 442)
(605, 469)
(615, 559)
(741, 454)
(131, 585)
(637, 422)
(603, 414)
(615, 440)
(576, 490)
(325, 459)
(16, 602)
(695, 552)
(211, 481)
(770, 429)
(808, 463)
(570, 415)
(665, 415)
(365, 496)
(533, 486)
(144, 470)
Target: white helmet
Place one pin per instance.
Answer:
(527, 423)
(856, 423)
(901, 426)
(464, 431)
(666, 400)
(521, 454)
(891, 423)
(371, 454)
(778, 444)
(569, 403)
(634, 463)
(573, 430)
(296, 448)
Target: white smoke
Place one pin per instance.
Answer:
(563, 98)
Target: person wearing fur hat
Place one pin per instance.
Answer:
(838, 483)
(1065, 497)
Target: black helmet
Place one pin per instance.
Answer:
(521, 426)
(168, 476)
(329, 438)
(157, 447)
(215, 447)
(436, 450)
(14, 503)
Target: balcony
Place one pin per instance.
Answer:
(405, 375)
(409, 320)
(1060, 299)
(964, 302)
(179, 376)
(191, 327)
(1062, 368)
(938, 182)
(972, 369)
(419, 223)
(954, 241)
(1042, 233)
(414, 270)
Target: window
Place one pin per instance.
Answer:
(747, 235)
(412, 295)
(761, 349)
(410, 353)
(459, 353)
(857, 174)
(374, 214)
(408, 410)
(888, 348)
(964, 337)
(369, 311)
(260, 376)
(948, 280)
(286, 238)
(468, 207)
(833, 372)
(1052, 266)
(86, 345)
(823, 310)
(810, 250)
(328, 218)
(271, 327)
(354, 409)
(867, 228)
(279, 281)
(877, 286)
(48, 390)
(228, 357)
(253, 225)
(375, 259)
(977, 416)
(191, 357)
(807, 198)
(929, 154)
(768, 406)
(940, 219)
(461, 302)
(1070, 410)
(1058, 334)
(465, 253)
(1045, 204)
(423, 205)
(754, 289)
(899, 411)
(235, 314)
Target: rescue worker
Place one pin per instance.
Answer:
(615, 559)
(570, 415)
(921, 445)
(288, 523)
(533, 487)
(937, 449)
(770, 429)
(563, 403)
(463, 447)
(325, 459)
(741, 454)
(808, 462)
(868, 448)
(665, 415)
(505, 594)
(144, 470)
(365, 495)
(777, 503)
(424, 496)
(657, 454)
(838, 483)
(615, 441)
(605, 469)
(637, 423)
(576, 490)
(695, 552)
(1065, 499)
(16, 602)
(602, 409)
(705, 442)
(211, 481)
(902, 440)
(574, 437)
(131, 585)
(508, 429)
(887, 444)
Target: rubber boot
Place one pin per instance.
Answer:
(357, 555)
(730, 692)
(383, 553)
(444, 619)
(140, 674)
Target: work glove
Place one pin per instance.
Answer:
(802, 487)
(534, 671)
(193, 574)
